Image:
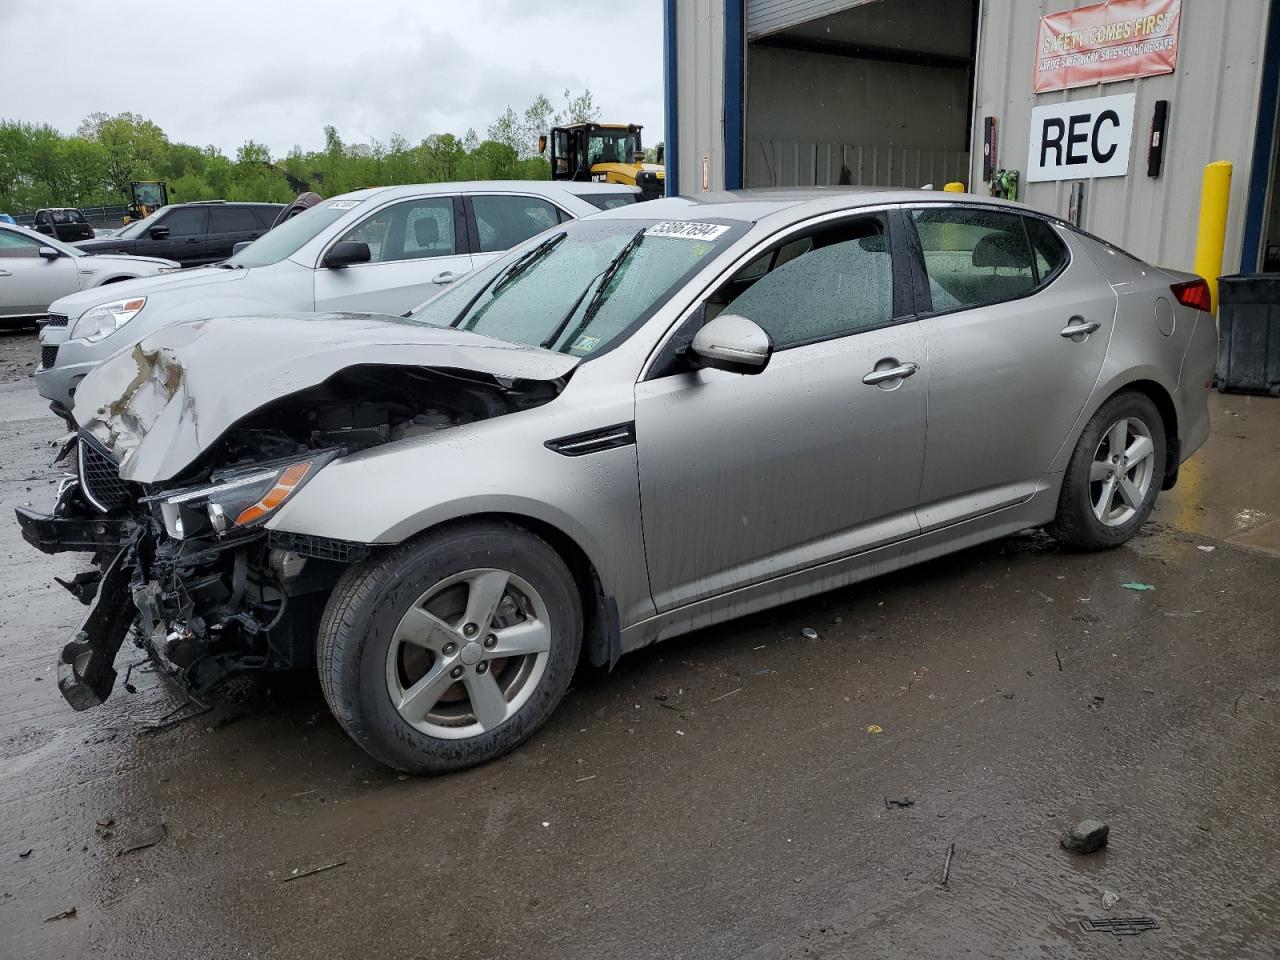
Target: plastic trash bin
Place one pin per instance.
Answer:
(1249, 333)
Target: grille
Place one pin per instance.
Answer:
(320, 548)
(48, 356)
(100, 478)
(56, 320)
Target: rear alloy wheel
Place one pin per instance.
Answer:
(451, 649)
(1114, 475)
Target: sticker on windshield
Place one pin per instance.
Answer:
(344, 204)
(585, 343)
(686, 230)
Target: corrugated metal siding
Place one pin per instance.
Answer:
(700, 76)
(770, 16)
(1213, 113)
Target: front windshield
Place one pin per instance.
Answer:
(591, 286)
(288, 238)
(137, 227)
(611, 146)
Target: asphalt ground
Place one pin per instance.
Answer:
(742, 792)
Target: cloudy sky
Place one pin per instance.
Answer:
(276, 71)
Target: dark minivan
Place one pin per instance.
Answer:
(62, 223)
(193, 234)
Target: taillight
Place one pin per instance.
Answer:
(1194, 293)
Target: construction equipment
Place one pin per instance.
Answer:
(605, 153)
(146, 197)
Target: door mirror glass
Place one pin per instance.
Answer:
(733, 343)
(49, 253)
(346, 252)
(158, 232)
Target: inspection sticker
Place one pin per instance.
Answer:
(686, 230)
(344, 204)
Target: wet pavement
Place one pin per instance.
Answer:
(723, 795)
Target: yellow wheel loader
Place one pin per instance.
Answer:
(605, 153)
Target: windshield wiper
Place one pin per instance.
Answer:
(597, 300)
(517, 267)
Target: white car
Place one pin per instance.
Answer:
(36, 270)
(381, 250)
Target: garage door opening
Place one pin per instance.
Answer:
(874, 92)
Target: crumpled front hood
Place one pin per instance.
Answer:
(158, 406)
(75, 304)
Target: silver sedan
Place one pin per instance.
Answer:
(36, 270)
(636, 425)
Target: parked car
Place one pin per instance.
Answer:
(62, 223)
(386, 250)
(194, 234)
(7, 218)
(658, 418)
(35, 270)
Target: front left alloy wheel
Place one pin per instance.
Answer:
(451, 649)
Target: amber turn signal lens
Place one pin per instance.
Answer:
(276, 495)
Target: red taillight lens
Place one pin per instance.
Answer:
(1194, 293)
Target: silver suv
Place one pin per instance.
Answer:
(381, 250)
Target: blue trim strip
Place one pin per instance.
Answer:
(735, 39)
(671, 113)
(1264, 139)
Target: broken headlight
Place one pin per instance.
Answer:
(106, 319)
(236, 499)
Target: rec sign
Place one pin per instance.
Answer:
(1081, 139)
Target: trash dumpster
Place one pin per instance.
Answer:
(1249, 333)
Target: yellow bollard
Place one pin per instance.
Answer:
(954, 187)
(1211, 235)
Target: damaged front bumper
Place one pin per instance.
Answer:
(205, 609)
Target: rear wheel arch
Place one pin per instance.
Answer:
(1157, 394)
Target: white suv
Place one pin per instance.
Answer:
(381, 250)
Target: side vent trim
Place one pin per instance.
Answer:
(594, 441)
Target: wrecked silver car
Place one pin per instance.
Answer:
(636, 425)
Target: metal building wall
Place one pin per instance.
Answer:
(1213, 112)
(700, 29)
(769, 16)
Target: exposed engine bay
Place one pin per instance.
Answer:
(187, 569)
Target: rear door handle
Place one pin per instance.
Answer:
(447, 277)
(900, 372)
(1079, 327)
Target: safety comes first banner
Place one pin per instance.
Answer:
(1105, 42)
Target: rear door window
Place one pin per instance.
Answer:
(973, 257)
(503, 221)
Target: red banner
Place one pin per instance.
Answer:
(1105, 42)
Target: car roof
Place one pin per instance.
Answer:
(548, 188)
(754, 205)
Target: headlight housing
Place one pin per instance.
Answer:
(236, 500)
(106, 319)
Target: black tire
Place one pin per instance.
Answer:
(366, 606)
(1075, 524)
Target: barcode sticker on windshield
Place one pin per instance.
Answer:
(686, 230)
(344, 204)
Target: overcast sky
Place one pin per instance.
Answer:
(276, 71)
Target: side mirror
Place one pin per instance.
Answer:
(49, 253)
(240, 246)
(346, 252)
(159, 232)
(732, 343)
(542, 143)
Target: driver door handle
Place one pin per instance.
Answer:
(900, 372)
(1079, 327)
(5, 273)
(447, 277)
